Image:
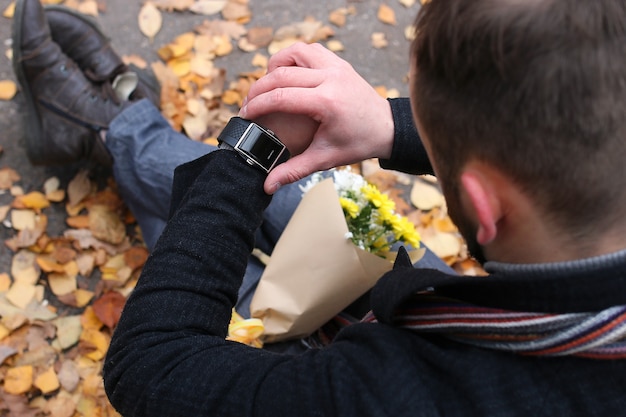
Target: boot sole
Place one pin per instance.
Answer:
(32, 120)
(151, 82)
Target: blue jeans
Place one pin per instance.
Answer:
(146, 150)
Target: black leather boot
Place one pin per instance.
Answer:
(80, 38)
(64, 111)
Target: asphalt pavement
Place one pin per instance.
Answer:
(387, 67)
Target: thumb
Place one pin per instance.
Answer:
(291, 171)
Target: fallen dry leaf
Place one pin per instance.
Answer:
(425, 196)
(106, 225)
(47, 381)
(21, 294)
(108, 308)
(207, 7)
(9, 11)
(386, 14)
(79, 187)
(23, 219)
(379, 40)
(18, 380)
(150, 20)
(8, 176)
(171, 5)
(8, 89)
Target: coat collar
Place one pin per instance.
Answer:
(572, 287)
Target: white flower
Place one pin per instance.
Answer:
(315, 178)
(345, 181)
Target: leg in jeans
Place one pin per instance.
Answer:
(146, 150)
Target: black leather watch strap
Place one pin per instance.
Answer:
(257, 145)
(233, 131)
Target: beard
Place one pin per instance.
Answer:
(466, 226)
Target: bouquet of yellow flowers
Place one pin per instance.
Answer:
(373, 224)
(338, 243)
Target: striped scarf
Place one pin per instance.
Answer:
(596, 335)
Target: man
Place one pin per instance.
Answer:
(548, 336)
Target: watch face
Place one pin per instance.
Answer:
(262, 147)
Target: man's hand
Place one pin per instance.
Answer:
(322, 109)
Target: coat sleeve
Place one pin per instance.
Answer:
(168, 355)
(408, 153)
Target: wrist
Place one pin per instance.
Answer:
(387, 131)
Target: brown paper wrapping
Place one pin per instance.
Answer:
(315, 271)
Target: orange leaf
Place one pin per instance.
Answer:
(34, 200)
(108, 308)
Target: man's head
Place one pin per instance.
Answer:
(535, 90)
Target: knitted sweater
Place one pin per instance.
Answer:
(168, 356)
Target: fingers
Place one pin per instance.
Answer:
(302, 101)
(303, 55)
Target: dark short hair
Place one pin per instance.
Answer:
(534, 88)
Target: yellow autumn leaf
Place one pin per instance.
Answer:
(338, 17)
(97, 342)
(185, 42)
(83, 297)
(4, 331)
(89, 320)
(21, 294)
(150, 20)
(47, 381)
(8, 89)
(18, 380)
(88, 7)
(335, 45)
(92, 385)
(223, 45)
(231, 97)
(61, 284)
(49, 264)
(9, 11)
(386, 14)
(5, 282)
(180, 67)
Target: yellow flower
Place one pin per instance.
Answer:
(349, 207)
(405, 230)
(381, 201)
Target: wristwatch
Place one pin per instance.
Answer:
(258, 146)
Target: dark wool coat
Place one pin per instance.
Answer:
(168, 356)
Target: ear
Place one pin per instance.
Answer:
(481, 195)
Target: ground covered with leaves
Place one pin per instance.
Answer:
(62, 294)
